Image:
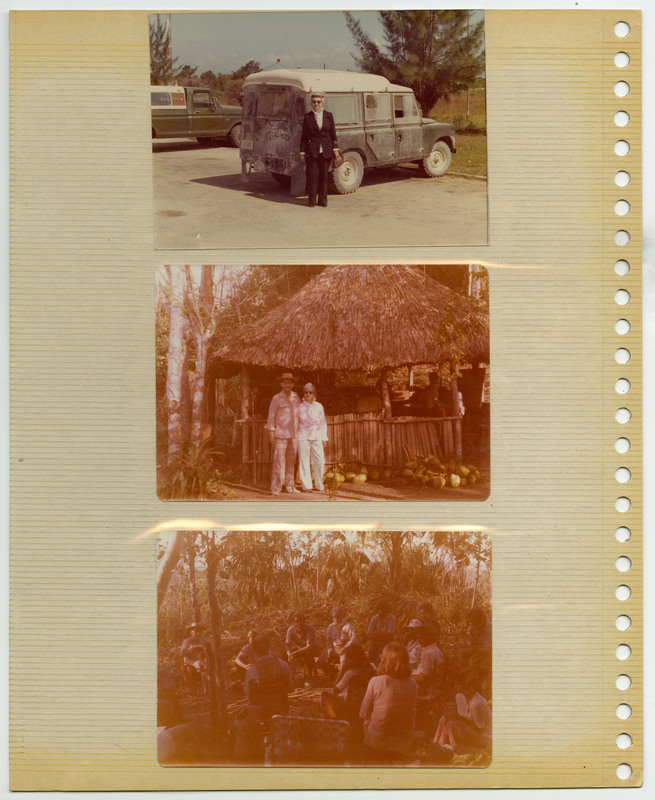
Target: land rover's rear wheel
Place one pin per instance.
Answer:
(437, 162)
(349, 175)
(235, 135)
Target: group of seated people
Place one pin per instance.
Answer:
(385, 693)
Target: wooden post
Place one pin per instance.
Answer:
(246, 405)
(454, 393)
(386, 407)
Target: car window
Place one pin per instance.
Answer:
(377, 106)
(273, 104)
(160, 99)
(300, 107)
(405, 107)
(203, 100)
(345, 107)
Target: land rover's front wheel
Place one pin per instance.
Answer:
(437, 162)
(235, 135)
(348, 176)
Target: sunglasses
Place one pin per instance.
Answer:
(316, 102)
(309, 392)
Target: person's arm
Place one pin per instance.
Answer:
(270, 422)
(366, 708)
(323, 434)
(303, 140)
(333, 134)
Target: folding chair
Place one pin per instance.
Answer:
(306, 741)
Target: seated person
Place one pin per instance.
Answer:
(340, 634)
(427, 673)
(269, 680)
(302, 646)
(193, 656)
(246, 657)
(381, 630)
(349, 690)
(465, 725)
(412, 645)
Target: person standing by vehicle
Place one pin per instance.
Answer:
(318, 144)
(282, 426)
(312, 435)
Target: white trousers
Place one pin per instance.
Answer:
(284, 464)
(311, 451)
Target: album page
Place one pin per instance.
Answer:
(326, 407)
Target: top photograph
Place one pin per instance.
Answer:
(374, 120)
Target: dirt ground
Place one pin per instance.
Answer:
(379, 490)
(201, 201)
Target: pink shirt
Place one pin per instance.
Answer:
(283, 415)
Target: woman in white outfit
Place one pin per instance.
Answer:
(312, 435)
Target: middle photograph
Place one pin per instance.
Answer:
(311, 383)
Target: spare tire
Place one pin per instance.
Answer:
(347, 178)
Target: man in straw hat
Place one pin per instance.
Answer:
(282, 426)
(318, 143)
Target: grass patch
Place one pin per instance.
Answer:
(471, 155)
(467, 114)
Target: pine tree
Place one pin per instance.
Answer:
(436, 53)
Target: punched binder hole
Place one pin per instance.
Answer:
(622, 267)
(621, 148)
(623, 622)
(622, 445)
(623, 741)
(621, 208)
(622, 593)
(622, 386)
(622, 534)
(623, 711)
(623, 415)
(623, 652)
(622, 326)
(622, 355)
(621, 119)
(622, 297)
(621, 29)
(623, 771)
(621, 238)
(623, 682)
(623, 475)
(623, 504)
(621, 88)
(622, 178)
(621, 59)
(623, 564)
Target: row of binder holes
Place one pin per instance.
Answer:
(622, 386)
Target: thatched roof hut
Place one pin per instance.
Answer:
(363, 318)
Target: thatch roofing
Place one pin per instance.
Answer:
(363, 318)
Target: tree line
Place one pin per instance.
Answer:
(437, 53)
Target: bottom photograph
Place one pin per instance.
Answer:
(343, 648)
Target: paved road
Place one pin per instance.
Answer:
(201, 202)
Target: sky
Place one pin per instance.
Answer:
(223, 42)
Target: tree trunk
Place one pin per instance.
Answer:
(294, 587)
(246, 409)
(216, 634)
(176, 357)
(168, 563)
(201, 324)
(396, 553)
(191, 562)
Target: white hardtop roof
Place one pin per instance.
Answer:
(324, 80)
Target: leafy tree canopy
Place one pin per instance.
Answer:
(436, 53)
(163, 70)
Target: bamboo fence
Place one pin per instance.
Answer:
(362, 439)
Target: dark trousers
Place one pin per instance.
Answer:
(317, 170)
